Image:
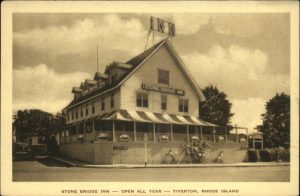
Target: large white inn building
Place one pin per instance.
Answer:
(152, 94)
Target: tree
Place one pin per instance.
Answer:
(216, 108)
(276, 121)
(29, 122)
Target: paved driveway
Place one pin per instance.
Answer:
(50, 170)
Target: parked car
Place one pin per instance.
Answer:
(23, 150)
(20, 150)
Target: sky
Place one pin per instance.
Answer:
(246, 55)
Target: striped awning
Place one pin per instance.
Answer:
(150, 117)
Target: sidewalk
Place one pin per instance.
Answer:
(74, 163)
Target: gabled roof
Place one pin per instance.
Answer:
(141, 59)
(136, 62)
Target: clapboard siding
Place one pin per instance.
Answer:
(97, 102)
(148, 73)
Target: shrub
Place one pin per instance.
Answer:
(268, 155)
(275, 154)
(284, 154)
(253, 155)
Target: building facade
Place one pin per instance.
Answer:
(152, 94)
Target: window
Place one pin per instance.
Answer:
(163, 76)
(112, 101)
(93, 108)
(68, 117)
(163, 102)
(103, 104)
(142, 99)
(72, 116)
(40, 140)
(76, 115)
(183, 105)
(86, 110)
(81, 113)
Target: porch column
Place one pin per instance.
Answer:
(93, 126)
(247, 138)
(171, 127)
(84, 132)
(113, 130)
(225, 130)
(154, 139)
(214, 133)
(187, 133)
(262, 141)
(236, 135)
(134, 130)
(93, 129)
(201, 131)
(70, 134)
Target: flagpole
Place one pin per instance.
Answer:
(97, 58)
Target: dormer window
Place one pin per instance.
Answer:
(163, 76)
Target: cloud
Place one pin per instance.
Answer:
(239, 71)
(187, 24)
(110, 32)
(242, 73)
(247, 112)
(42, 88)
(243, 25)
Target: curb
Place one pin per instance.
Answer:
(65, 161)
(128, 166)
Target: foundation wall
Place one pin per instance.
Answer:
(107, 152)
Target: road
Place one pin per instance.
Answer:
(50, 170)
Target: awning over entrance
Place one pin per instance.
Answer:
(150, 117)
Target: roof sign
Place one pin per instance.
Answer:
(162, 26)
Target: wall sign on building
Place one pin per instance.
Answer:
(162, 89)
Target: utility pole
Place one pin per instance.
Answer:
(145, 140)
